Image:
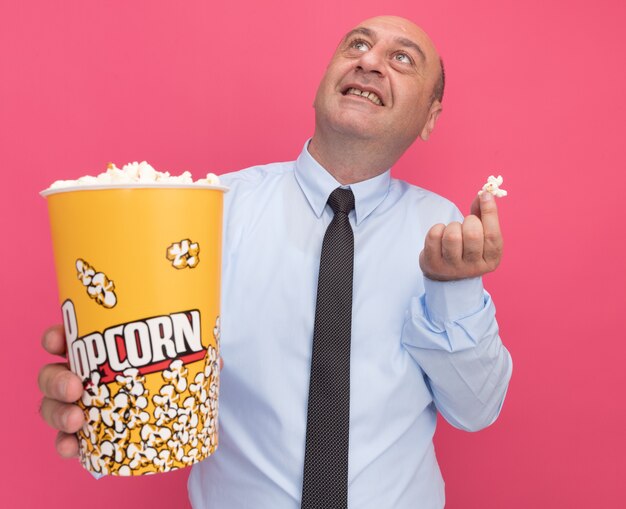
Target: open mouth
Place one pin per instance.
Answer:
(371, 96)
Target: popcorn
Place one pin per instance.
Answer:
(217, 331)
(176, 376)
(211, 179)
(85, 272)
(164, 461)
(184, 254)
(136, 173)
(132, 382)
(176, 429)
(115, 416)
(140, 455)
(94, 394)
(99, 287)
(165, 406)
(493, 186)
(155, 436)
(197, 388)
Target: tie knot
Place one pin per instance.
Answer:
(341, 200)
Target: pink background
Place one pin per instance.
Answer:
(535, 92)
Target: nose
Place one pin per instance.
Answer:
(372, 61)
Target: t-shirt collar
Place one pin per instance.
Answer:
(317, 184)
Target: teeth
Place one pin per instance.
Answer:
(368, 95)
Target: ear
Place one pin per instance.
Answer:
(433, 115)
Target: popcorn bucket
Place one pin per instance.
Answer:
(138, 268)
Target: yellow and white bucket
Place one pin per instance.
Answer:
(138, 269)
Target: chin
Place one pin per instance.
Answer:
(354, 124)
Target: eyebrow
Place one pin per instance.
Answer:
(403, 41)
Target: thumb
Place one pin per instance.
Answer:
(484, 203)
(489, 215)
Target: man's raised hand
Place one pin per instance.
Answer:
(470, 249)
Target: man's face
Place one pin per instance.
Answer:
(395, 62)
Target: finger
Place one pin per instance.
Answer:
(492, 250)
(452, 244)
(432, 244)
(475, 207)
(489, 213)
(221, 364)
(53, 340)
(65, 417)
(57, 382)
(430, 257)
(472, 239)
(67, 445)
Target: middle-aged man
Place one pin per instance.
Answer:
(411, 329)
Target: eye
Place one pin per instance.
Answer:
(360, 45)
(403, 57)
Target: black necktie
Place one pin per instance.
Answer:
(325, 484)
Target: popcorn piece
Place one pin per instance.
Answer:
(155, 436)
(99, 287)
(176, 375)
(493, 186)
(125, 471)
(85, 272)
(95, 394)
(183, 178)
(88, 180)
(211, 179)
(132, 382)
(115, 415)
(217, 331)
(165, 408)
(140, 455)
(183, 254)
(164, 461)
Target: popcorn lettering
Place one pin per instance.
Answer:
(493, 186)
(131, 345)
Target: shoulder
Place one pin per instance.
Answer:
(254, 176)
(251, 187)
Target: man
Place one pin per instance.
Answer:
(423, 333)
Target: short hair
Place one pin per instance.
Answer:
(441, 83)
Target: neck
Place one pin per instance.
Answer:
(348, 159)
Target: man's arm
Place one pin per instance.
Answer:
(452, 334)
(451, 330)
